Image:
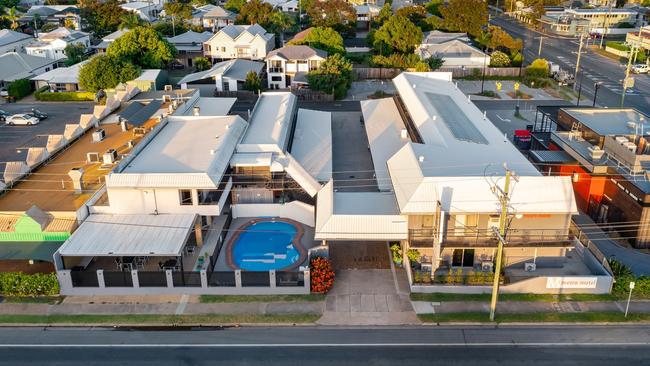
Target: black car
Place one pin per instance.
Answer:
(3, 115)
(38, 114)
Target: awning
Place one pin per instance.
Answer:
(41, 251)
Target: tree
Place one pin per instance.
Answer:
(74, 53)
(337, 14)
(433, 7)
(435, 63)
(397, 34)
(483, 39)
(500, 39)
(538, 69)
(417, 14)
(199, 3)
(252, 82)
(130, 21)
(465, 16)
(280, 22)
(101, 17)
(178, 10)
(167, 29)
(12, 17)
(326, 39)
(499, 59)
(202, 63)
(255, 12)
(384, 14)
(144, 47)
(104, 71)
(234, 5)
(333, 76)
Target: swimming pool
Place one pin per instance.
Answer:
(266, 244)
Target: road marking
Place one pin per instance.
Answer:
(310, 345)
(502, 119)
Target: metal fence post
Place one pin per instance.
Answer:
(170, 279)
(134, 278)
(204, 278)
(238, 278)
(307, 281)
(100, 278)
(272, 278)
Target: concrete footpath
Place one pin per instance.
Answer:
(526, 307)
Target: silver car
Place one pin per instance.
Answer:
(22, 119)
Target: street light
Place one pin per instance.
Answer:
(596, 86)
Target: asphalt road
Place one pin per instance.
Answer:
(596, 68)
(511, 345)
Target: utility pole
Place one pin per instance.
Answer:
(582, 35)
(606, 24)
(504, 199)
(539, 52)
(626, 81)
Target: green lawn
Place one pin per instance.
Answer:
(601, 317)
(437, 297)
(209, 319)
(260, 298)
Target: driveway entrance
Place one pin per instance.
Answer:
(359, 255)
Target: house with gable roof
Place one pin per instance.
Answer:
(239, 41)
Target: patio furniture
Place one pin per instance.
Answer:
(189, 249)
(171, 264)
(128, 263)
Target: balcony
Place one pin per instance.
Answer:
(278, 70)
(481, 238)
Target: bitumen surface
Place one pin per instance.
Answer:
(510, 345)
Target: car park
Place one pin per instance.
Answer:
(21, 119)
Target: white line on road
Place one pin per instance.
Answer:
(308, 345)
(504, 120)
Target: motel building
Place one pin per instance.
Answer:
(211, 202)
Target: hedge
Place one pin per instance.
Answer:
(20, 88)
(65, 96)
(623, 276)
(617, 46)
(21, 284)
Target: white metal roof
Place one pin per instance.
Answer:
(62, 75)
(129, 235)
(187, 151)
(384, 128)
(212, 106)
(358, 216)
(296, 171)
(312, 143)
(251, 159)
(270, 123)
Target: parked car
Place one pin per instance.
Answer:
(640, 69)
(4, 93)
(21, 119)
(177, 65)
(3, 115)
(38, 114)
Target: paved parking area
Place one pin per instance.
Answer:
(352, 162)
(12, 138)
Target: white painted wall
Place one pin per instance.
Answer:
(148, 201)
(295, 210)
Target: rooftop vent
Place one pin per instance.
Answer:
(76, 174)
(168, 87)
(421, 159)
(404, 134)
(196, 111)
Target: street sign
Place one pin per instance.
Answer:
(517, 86)
(632, 284)
(628, 83)
(499, 86)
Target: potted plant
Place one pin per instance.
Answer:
(396, 251)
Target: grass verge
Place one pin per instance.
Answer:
(208, 319)
(51, 300)
(260, 298)
(437, 297)
(591, 317)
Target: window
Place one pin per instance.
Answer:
(276, 78)
(185, 197)
(223, 49)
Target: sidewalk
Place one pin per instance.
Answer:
(507, 86)
(528, 307)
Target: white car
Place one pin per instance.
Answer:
(640, 69)
(22, 119)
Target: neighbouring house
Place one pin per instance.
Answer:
(287, 6)
(454, 48)
(52, 44)
(640, 38)
(178, 201)
(12, 41)
(239, 41)
(147, 11)
(606, 154)
(102, 46)
(61, 15)
(223, 76)
(365, 14)
(213, 17)
(189, 46)
(288, 66)
(15, 66)
(573, 22)
(150, 80)
(61, 79)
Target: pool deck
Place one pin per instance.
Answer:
(307, 240)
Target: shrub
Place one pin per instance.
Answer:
(619, 46)
(77, 96)
(396, 251)
(20, 88)
(322, 275)
(538, 69)
(537, 82)
(517, 58)
(396, 60)
(499, 59)
(21, 284)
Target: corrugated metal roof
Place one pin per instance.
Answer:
(552, 156)
(312, 143)
(129, 235)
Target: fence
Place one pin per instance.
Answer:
(365, 73)
(309, 95)
(490, 71)
(239, 94)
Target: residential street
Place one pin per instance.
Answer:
(510, 345)
(596, 68)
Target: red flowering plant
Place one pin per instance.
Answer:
(322, 275)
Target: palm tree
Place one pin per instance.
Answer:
(484, 39)
(12, 16)
(130, 21)
(281, 22)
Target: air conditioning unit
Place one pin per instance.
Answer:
(596, 152)
(487, 266)
(110, 156)
(168, 87)
(92, 157)
(99, 135)
(530, 267)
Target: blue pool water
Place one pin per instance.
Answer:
(264, 246)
